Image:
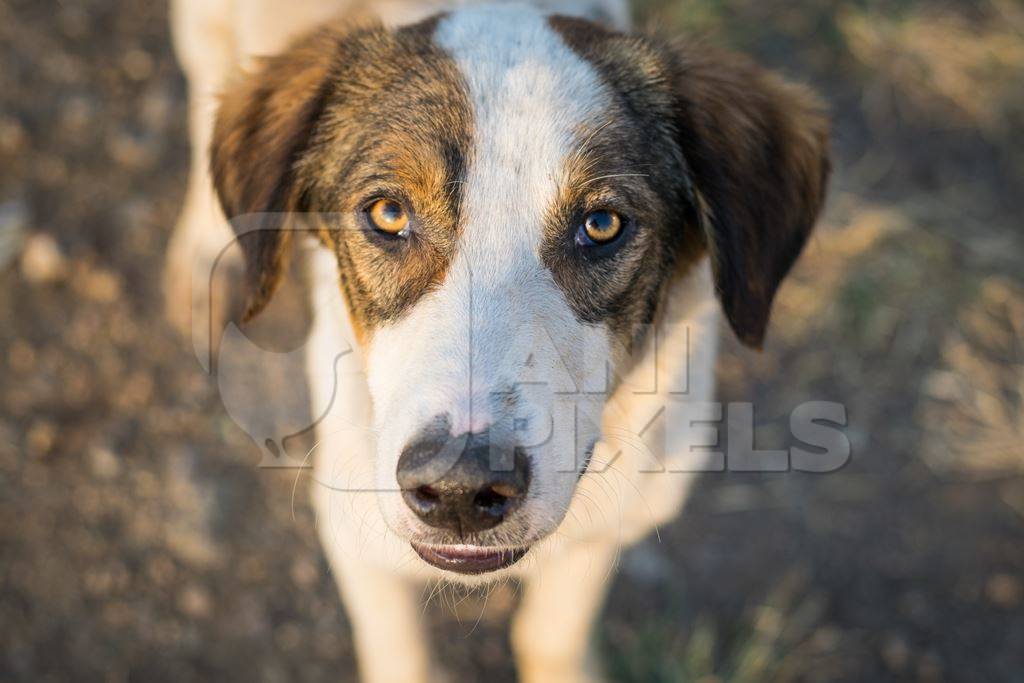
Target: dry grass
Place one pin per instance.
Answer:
(943, 65)
(973, 420)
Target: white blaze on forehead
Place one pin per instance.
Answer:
(530, 94)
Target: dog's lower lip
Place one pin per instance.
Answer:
(468, 559)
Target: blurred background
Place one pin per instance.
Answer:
(139, 539)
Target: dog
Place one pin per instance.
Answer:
(528, 222)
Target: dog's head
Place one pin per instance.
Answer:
(510, 195)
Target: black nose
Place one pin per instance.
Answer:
(461, 483)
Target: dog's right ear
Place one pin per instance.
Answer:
(758, 151)
(263, 126)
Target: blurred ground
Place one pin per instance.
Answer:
(138, 538)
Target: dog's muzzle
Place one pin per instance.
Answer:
(463, 486)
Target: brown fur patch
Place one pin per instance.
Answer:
(340, 118)
(628, 162)
(736, 162)
(398, 124)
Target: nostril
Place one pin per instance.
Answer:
(424, 500)
(493, 498)
(427, 494)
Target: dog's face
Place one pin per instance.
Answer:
(509, 196)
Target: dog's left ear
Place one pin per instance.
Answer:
(263, 125)
(757, 148)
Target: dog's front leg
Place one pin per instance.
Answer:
(551, 632)
(383, 609)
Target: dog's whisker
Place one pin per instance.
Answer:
(610, 466)
(583, 146)
(295, 485)
(590, 181)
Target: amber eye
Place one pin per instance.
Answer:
(600, 227)
(388, 216)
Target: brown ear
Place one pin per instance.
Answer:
(263, 126)
(757, 148)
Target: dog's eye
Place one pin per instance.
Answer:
(599, 227)
(388, 216)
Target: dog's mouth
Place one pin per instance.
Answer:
(468, 559)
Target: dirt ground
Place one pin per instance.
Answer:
(140, 540)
